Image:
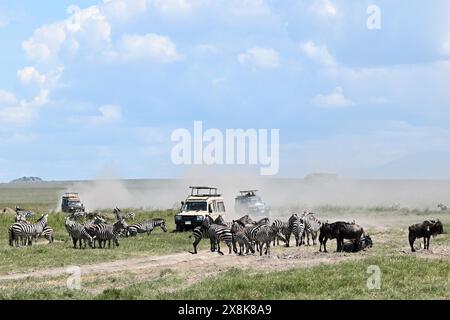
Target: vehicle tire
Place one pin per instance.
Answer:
(179, 228)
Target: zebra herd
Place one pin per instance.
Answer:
(93, 229)
(22, 232)
(97, 230)
(251, 236)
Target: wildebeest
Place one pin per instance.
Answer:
(339, 230)
(358, 245)
(424, 230)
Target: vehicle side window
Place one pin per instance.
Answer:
(210, 210)
(220, 207)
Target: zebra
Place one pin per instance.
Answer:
(218, 233)
(312, 227)
(47, 233)
(199, 233)
(297, 226)
(78, 233)
(242, 240)
(92, 226)
(442, 206)
(251, 231)
(284, 229)
(264, 236)
(110, 232)
(146, 226)
(27, 230)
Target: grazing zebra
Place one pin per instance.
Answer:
(312, 227)
(242, 240)
(218, 233)
(110, 232)
(146, 226)
(78, 233)
(264, 236)
(27, 230)
(297, 226)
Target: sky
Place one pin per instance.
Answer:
(88, 87)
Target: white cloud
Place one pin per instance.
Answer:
(150, 46)
(30, 75)
(108, 114)
(45, 42)
(335, 99)
(13, 111)
(323, 8)
(87, 26)
(257, 57)
(319, 54)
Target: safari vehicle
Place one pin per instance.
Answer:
(202, 202)
(71, 203)
(248, 202)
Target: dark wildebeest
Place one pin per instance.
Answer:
(424, 230)
(358, 245)
(339, 230)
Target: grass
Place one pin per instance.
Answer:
(60, 253)
(402, 277)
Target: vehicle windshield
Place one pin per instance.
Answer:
(249, 201)
(74, 204)
(195, 206)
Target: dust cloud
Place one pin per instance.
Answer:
(279, 193)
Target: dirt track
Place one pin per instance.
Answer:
(204, 263)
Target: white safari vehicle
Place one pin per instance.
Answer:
(202, 202)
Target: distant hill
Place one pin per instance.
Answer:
(27, 180)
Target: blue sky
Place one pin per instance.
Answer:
(101, 86)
